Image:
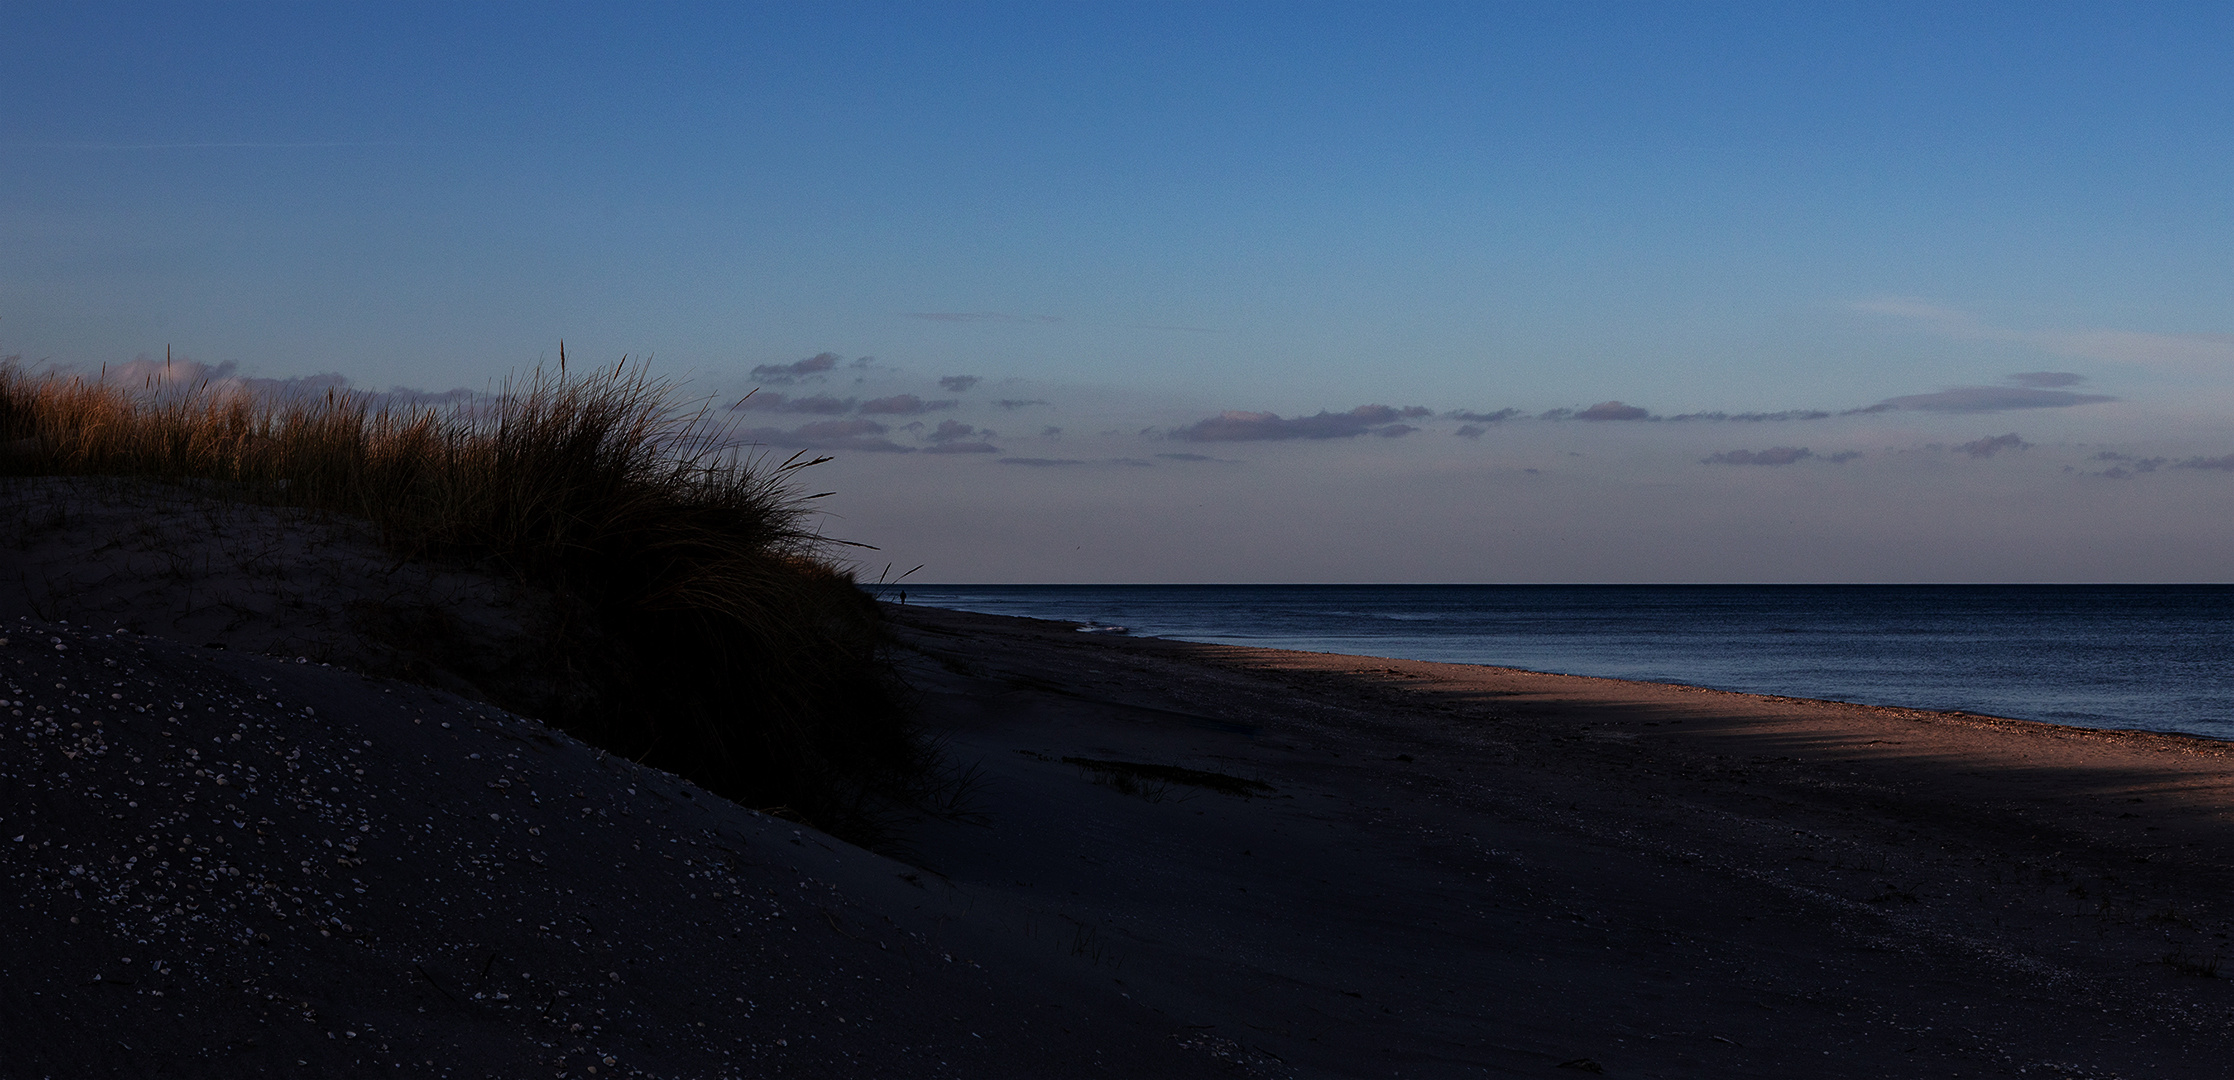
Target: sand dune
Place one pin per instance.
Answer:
(1175, 859)
(229, 865)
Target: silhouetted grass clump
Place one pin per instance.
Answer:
(711, 635)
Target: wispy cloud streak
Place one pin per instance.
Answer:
(2120, 346)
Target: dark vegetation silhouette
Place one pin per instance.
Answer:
(700, 624)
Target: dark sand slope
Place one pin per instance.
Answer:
(1468, 871)
(1255, 862)
(227, 865)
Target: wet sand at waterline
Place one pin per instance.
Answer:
(1464, 870)
(1173, 859)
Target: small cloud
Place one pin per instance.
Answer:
(963, 448)
(955, 384)
(1612, 410)
(1753, 417)
(1051, 432)
(1498, 417)
(903, 405)
(1986, 448)
(1188, 329)
(2222, 464)
(1775, 455)
(1018, 403)
(1237, 426)
(2046, 379)
(1395, 431)
(1981, 399)
(1470, 431)
(785, 374)
(979, 316)
(1555, 414)
(2132, 466)
(951, 431)
(1843, 456)
(1188, 457)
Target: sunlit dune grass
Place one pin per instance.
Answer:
(719, 638)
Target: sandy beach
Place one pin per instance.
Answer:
(1475, 871)
(1170, 859)
(535, 541)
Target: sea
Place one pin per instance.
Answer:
(2148, 657)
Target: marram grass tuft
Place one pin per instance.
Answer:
(714, 637)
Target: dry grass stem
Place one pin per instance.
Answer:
(715, 635)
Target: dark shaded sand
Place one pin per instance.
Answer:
(376, 879)
(1176, 860)
(1477, 871)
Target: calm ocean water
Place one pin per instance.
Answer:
(2155, 657)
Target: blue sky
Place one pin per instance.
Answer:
(1137, 218)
